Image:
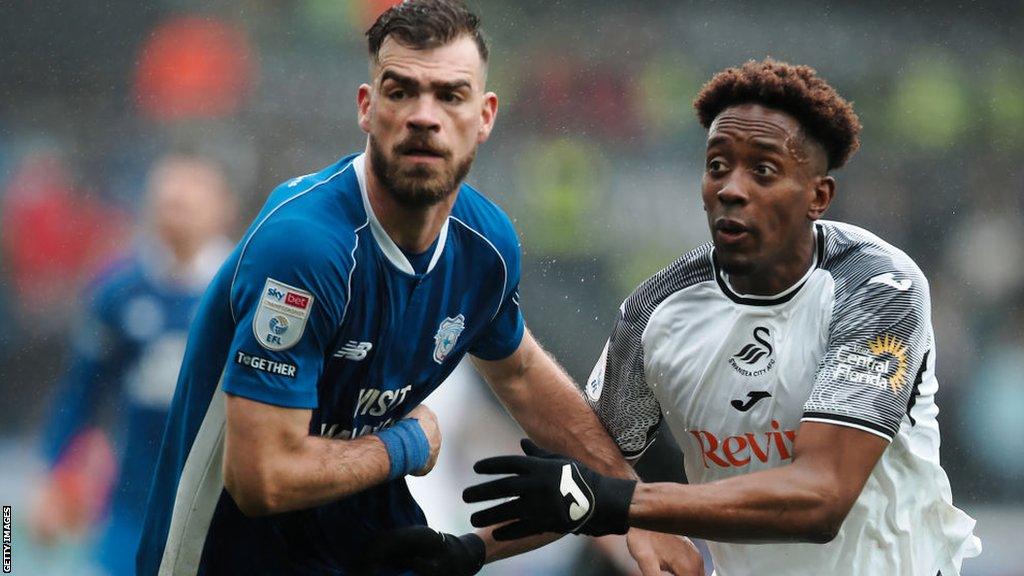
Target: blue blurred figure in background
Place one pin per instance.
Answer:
(125, 354)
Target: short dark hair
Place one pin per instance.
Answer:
(796, 90)
(422, 24)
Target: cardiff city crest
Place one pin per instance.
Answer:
(447, 334)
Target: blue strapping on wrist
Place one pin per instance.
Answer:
(408, 448)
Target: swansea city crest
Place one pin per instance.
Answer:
(447, 334)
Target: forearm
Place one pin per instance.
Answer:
(331, 469)
(501, 549)
(543, 399)
(554, 415)
(784, 504)
(314, 472)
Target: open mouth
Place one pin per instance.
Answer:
(731, 231)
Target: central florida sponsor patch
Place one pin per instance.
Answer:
(281, 316)
(881, 363)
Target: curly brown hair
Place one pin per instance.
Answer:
(796, 90)
(422, 24)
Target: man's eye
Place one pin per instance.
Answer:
(396, 94)
(765, 170)
(448, 97)
(715, 166)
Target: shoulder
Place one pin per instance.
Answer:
(310, 219)
(305, 237)
(329, 198)
(857, 258)
(693, 267)
(114, 281)
(337, 177)
(302, 253)
(482, 217)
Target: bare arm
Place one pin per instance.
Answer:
(542, 398)
(272, 464)
(539, 394)
(805, 501)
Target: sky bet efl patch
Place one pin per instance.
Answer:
(282, 315)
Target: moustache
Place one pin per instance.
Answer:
(422, 146)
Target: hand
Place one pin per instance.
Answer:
(656, 551)
(428, 552)
(428, 422)
(555, 494)
(48, 518)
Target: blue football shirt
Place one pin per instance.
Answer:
(126, 352)
(318, 308)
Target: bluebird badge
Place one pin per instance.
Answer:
(447, 334)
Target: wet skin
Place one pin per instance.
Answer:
(425, 113)
(764, 185)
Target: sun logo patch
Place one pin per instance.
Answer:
(892, 349)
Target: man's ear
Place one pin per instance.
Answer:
(824, 192)
(489, 112)
(363, 102)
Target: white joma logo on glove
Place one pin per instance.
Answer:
(568, 487)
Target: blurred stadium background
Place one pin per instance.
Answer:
(596, 155)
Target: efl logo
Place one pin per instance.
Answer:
(737, 451)
(293, 299)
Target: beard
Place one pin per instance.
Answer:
(419, 186)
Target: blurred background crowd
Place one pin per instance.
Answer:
(596, 155)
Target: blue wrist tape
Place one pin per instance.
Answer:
(408, 448)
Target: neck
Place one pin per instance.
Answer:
(412, 229)
(184, 254)
(778, 276)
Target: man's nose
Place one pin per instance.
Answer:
(425, 114)
(733, 190)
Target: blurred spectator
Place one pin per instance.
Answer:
(127, 350)
(54, 234)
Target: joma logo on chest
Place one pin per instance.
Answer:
(737, 451)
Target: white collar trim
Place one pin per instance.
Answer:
(158, 262)
(387, 245)
(787, 291)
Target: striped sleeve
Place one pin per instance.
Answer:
(878, 338)
(617, 389)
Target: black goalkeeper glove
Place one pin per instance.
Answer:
(552, 494)
(428, 552)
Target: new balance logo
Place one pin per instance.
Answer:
(354, 350)
(752, 398)
(889, 279)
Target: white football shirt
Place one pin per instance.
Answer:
(734, 375)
